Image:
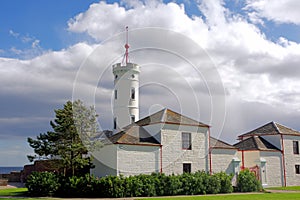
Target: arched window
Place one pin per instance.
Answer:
(132, 118)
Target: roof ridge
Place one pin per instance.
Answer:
(264, 141)
(286, 127)
(276, 127)
(255, 141)
(221, 141)
(164, 114)
(256, 131)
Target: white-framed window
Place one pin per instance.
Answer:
(186, 140)
(187, 167)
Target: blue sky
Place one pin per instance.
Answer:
(25, 21)
(254, 44)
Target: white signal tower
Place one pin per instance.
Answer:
(126, 91)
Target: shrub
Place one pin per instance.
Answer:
(247, 182)
(159, 183)
(132, 186)
(112, 186)
(147, 185)
(49, 184)
(76, 186)
(194, 183)
(173, 185)
(226, 185)
(42, 184)
(201, 182)
(214, 184)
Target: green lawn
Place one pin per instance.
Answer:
(27, 198)
(13, 192)
(263, 196)
(294, 188)
(266, 196)
(16, 192)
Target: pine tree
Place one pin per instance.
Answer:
(74, 130)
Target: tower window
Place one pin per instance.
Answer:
(115, 123)
(116, 94)
(132, 93)
(186, 141)
(116, 76)
(296, 147)
(187, 167)
(132, 118)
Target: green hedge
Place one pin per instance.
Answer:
(42, 184)
(49, 184)
(247, 182)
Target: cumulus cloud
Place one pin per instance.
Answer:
(259, 75)
(278, 11)
(253, 68)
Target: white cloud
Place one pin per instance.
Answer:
(14, 34)
(35, 44)
(104, 20)
(280, 11)
(255, 71)
(253, 68)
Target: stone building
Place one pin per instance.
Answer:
(171, 143)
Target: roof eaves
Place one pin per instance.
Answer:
(139, 144)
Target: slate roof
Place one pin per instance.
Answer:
(168, 116)
(132, 134)
(271, 128)
(218, 144)
(137, 135)
(255, 143)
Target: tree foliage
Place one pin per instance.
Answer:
(74, 130)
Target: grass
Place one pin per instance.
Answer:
(13, 192)
(28, 198)
(266, 196)
(10, 193)
(293, 188)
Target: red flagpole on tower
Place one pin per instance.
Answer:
(126, 46)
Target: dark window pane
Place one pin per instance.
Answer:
(132, 93)
(132, 118)
(296, 147)
(115, 123)
(187, 167)
(297, 168)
